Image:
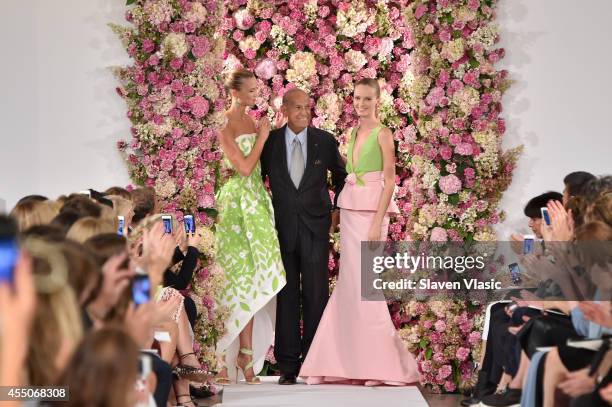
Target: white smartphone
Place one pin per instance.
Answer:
(528, 244)
(121, 230)
(86, 192)
(167, 219)
(545, 215)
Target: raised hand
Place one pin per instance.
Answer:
(263, 128)
(17, 308)
(157, 250)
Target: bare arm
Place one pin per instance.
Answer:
(385, 139)
(244, 165)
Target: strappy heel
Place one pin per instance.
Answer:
(252, 380)
(195, 374)
(191, 399)
(223, 380)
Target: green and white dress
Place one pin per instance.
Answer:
(249, 254)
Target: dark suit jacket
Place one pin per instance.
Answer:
(310, 201)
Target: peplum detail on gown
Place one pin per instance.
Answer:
(365, 197)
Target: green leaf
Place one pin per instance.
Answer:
(453, 199)
(130, 2)
(275, 283)
(424, 342)
(245, 306)
(474, 63)
(428, 353)
(212, 212)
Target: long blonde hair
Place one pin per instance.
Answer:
(57, 322)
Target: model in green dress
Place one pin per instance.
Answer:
(247, 245)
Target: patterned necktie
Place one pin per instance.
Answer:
(297, 162)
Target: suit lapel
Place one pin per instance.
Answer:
(312, 152)
(281, 151)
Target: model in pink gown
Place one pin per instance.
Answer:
(356, 341)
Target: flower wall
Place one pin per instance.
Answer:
(441, 97)
(175, 101)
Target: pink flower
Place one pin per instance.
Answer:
(199, 106)
(426, 366)
(445, 371)
(464, 149)
(469, 172)
(462, 353)
(450, 386)
(450, 184)
(420, 11)
(266, 69)
(438, 234)
(474, 337)
(176, 63)
(148, 46)
(440, 325)
(473, 4)
(446, 152)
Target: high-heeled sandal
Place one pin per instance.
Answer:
(195, 374)
(191, 399)
(223, 380)
(252, 380)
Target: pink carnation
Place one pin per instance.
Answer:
(445, 371)
(450, 184)
(464, 149)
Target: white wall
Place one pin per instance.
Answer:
(559, 54)
(60, 115)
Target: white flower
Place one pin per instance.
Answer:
(354, 60)
(174, 45)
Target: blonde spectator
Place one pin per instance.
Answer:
(89, 226)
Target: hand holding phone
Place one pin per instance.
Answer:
(141, 289)
(167, 220)
(189, 222)
(8, 258)
(528, 244)
(545, 215)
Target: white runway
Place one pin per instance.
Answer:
(269, 394)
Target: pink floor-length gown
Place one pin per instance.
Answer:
(356, 341)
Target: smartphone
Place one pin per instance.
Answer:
(189, 224)
(8, 257)
(121, 230)
(528, 244)
(145, 365)
(545, 215)
(167, 219)
(515, 273)
(141, 289)
(86, 192)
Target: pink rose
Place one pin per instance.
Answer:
(464, 149)
(450, 386)
(450, 184)
(148, 46)
(266, 69)
(438, 234)
(440, 325)
(199, 106)
(462, 353)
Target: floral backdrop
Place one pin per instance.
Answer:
(441, 96)
(175, 101)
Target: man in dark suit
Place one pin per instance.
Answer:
(297, 158)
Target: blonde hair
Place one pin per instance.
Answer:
(89, 226)
(373, 83)
(237, 77)
(30, 213)
(57, 312)
(121, 206)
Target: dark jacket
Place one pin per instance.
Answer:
(310, 201)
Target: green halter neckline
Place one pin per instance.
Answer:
(370, 157)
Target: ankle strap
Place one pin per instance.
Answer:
(246, 351)
(187, 354)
